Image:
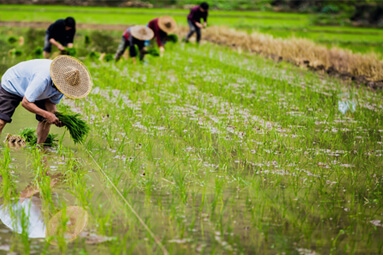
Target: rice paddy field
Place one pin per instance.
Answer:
(205, 150)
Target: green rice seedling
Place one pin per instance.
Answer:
(12, 40)
(69, 51)
(15, 52)
(29, 135)
(78, 128)
(87, 40)
(94, 55)
(173, 38)
(108, 57)
(154, 52)
(38, 52)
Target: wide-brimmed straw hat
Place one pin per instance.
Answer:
(142, 33)
(167, 24)
(71, 77)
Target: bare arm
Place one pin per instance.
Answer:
(198, 24)
(49, 115)
(56, 43)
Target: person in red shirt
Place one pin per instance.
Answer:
(194, 20)
(161, 27)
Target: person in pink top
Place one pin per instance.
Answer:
(161, 27)
(194, 20)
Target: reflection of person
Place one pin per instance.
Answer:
(25, 215)
(161, 27)
(60, 34)
(39, 85)
(133, 36)
(194, 20)
(30, 208)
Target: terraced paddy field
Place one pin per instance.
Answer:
(203, 151)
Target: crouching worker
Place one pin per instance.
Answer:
(133, 36)
(194, 20)
(161, 27)
(39, 85)
(60, 34)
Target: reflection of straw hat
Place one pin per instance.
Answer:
(71, 77)
(142, 33)
(167, 24)
(75, 220)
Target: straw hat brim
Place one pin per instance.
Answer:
(142, 33)
(59, 66)
(77, 219)
(163, 20)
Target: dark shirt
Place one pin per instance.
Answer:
(158, 33)
(132, 42)
(57, 31)
(196, 15)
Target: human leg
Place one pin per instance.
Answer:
(8, 104)
(43, 129)
(121, 49)
(191, 31)
(47, 46)
(198, 31)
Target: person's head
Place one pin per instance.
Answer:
(204, 6)
(70, 23)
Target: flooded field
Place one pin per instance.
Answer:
(205, 150)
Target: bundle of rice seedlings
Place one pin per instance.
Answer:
(12, 39)
(38, 52)
(69, 51)
(108, 57)
(154, 52)
(94, 55)
(78, 129)
(173, 38)
(29, 136)
(15, 52)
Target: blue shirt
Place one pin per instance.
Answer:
(32, 80)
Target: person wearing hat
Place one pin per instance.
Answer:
(132, 36)
(39, 85)
(194, 20)
(60, 34)
(161, 27)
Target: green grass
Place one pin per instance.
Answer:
(284, 25)
(218, 152)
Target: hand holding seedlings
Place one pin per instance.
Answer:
(40, 85)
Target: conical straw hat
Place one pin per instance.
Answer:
(167, 24)
(71, 77)
(77, 219)
(142, 33)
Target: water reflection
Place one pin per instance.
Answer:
(24, 216)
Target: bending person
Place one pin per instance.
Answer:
(194, 20)
(133, 36)
(60, 34)
(39, 85)
(161, 27)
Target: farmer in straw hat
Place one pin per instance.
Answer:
(132, 36)
(161, 27)
(194, 20)
(60, 34)
(39, 85)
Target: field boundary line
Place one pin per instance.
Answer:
(158, 242)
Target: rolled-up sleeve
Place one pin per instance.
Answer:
(36, 87)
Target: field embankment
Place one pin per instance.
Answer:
(366, 69)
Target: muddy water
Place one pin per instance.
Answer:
(23, 175)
